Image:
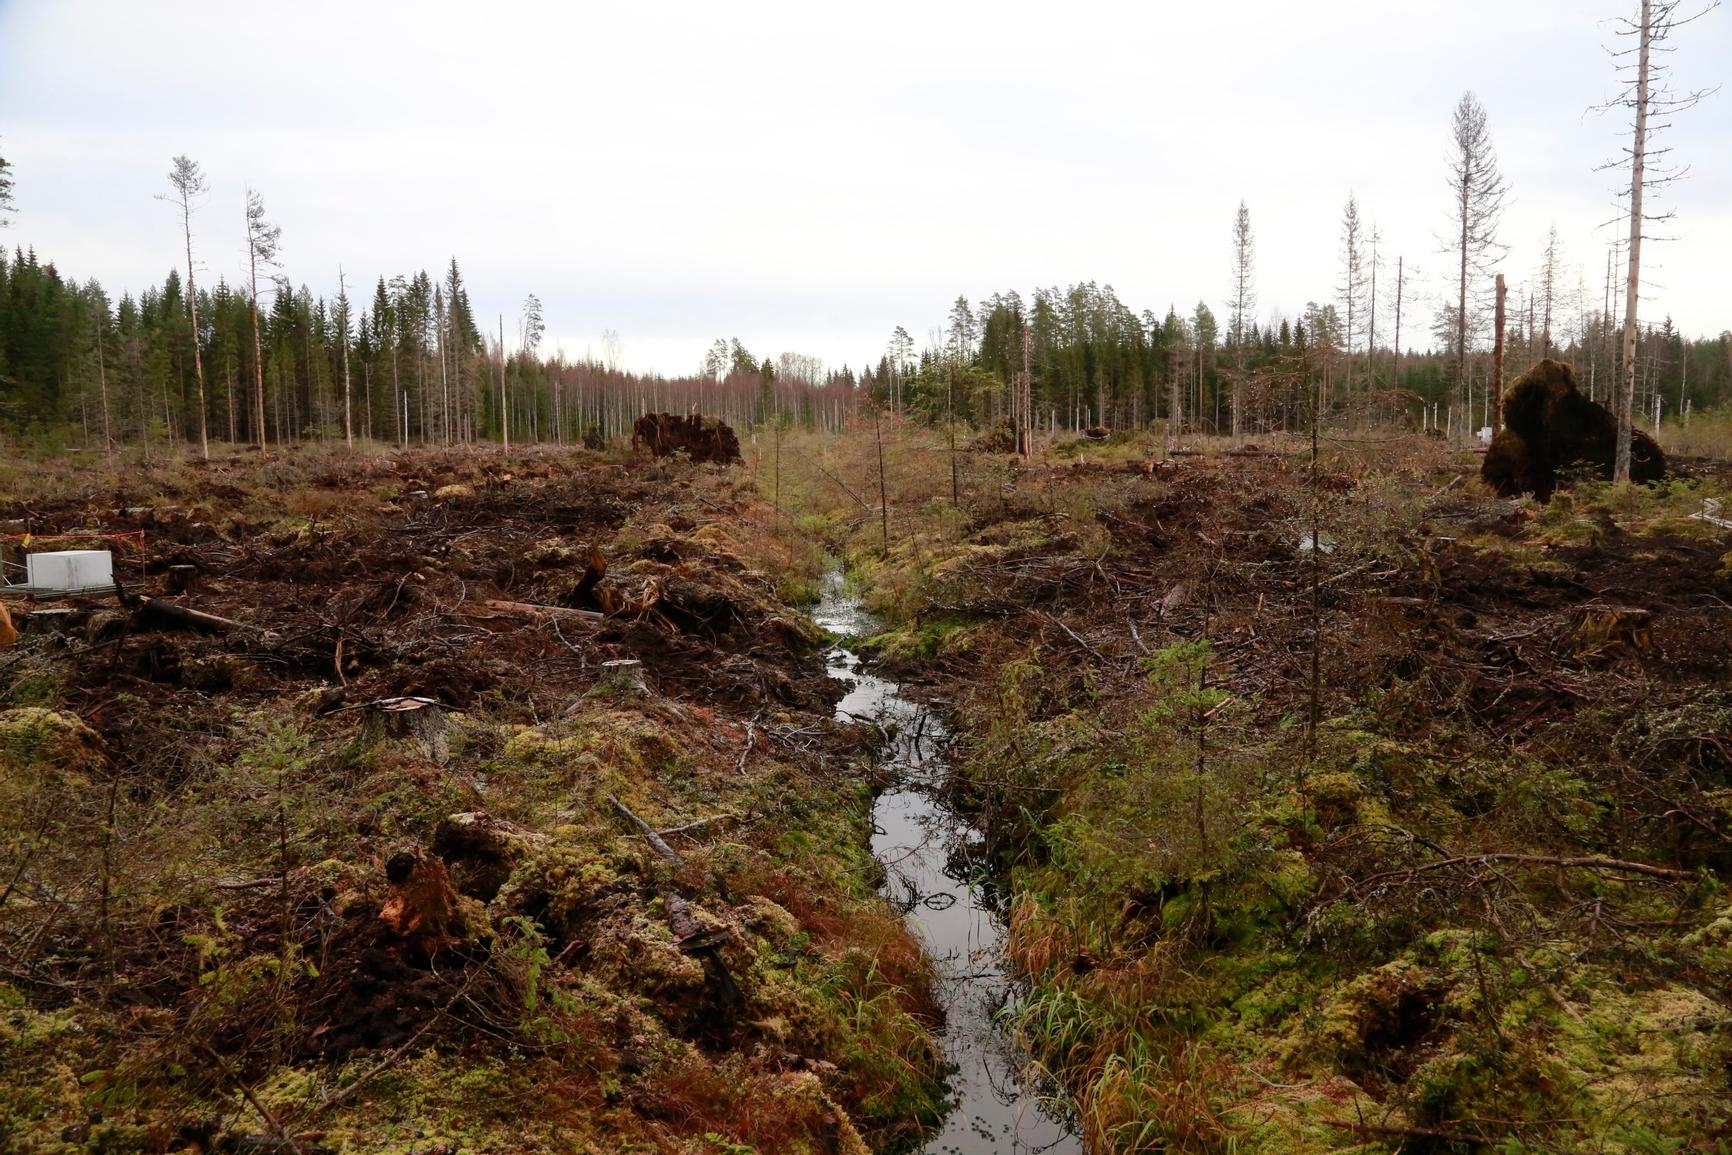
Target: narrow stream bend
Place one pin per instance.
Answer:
(926, 850)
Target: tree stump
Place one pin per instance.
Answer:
(422, 905)
(1604, 630)
(181, 579)
(623, 676)
(418, 721)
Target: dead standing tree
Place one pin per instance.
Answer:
(1352, 283)
(1244, 300)
(1647, 95)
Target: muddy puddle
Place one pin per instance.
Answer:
(929, 857)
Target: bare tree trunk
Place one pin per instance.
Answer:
(883, 489)
(1461, 384)
(1495, 392)
(343, 336)
(1395, 370)
(1371, 322)
(399, 402)
(504, 411)
(1632, 282)
(102, 379)
(197, 357)
(441, 331)
(1025, 399)
(258, 360)
(1175, 409)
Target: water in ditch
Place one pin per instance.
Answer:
(927, 853)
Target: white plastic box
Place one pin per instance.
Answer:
(70, 571)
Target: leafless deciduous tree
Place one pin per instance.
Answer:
(1649, 97)
(189, 187)
(1479, 190)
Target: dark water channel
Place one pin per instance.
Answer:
(927, 850)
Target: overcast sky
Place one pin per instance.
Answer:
(807, 176)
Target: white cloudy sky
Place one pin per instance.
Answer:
(806, 176)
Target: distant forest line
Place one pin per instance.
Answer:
(77, 368)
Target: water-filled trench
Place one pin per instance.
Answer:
(930, 857)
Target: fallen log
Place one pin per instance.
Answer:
(690, 827)
(657, 842)
(172, 614)
(1585, 862)
(1409, 1132)
(536, 610)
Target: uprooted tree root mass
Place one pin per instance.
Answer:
(334, 858)
(703, 439)
(1552, 429)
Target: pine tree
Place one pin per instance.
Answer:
(189, 185)
(6, 205)
(263, 240)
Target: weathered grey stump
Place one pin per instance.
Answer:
(417, 721)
